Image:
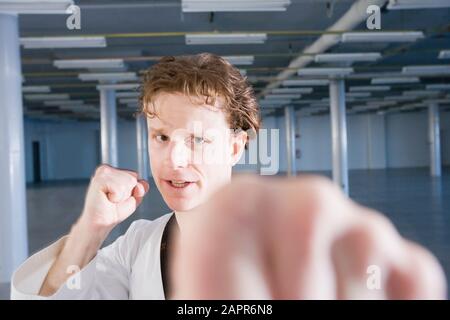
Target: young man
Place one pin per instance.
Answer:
(250, 238)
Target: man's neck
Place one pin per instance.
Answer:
(182, 219)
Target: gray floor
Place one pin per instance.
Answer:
(418, 205)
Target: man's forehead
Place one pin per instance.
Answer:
(174, 97)
(177, 111)
(190, 125)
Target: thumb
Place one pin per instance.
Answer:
(140, 191)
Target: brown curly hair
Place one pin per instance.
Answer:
(206, 76)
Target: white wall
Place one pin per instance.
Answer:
(70, 150)
(407, 141)
(374, 141)
(366, 142)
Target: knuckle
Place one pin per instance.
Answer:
(377, 224)
(102, 170)
(319, 193)
(424, 278)
(132, 180)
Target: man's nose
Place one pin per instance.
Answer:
(179, 154)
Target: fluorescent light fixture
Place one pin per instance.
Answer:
(370, 75)
(234, 5)
(243, 72)
(443, 86)
(133, 94)
(358, 94)
(36, 89)
(347, 57)
(81, 108)
(306, 101)
(109, 76)
(382, 36)
(225, 38)
(274, 101)
(438, 101)
(89, 64)
(50, 96)
(330, 72)
(240, 60)
(399, 98)
(369, 88)
(417, 4)
(427, 70)
(56, 103)
(128, 100)
(119, 86)
(292, 90)
(381, 103)
(364, 108)
(395, 80)
(444, 54)
(319, 104)
(63, 42)
(283, 96)
(420, 93)
(302, 82)
(254, 79)
(35, 7)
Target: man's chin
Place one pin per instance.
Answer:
(181, 204)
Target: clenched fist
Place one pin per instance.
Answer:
(298, 239)
(113, 195)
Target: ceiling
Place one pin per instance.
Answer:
(140, 32)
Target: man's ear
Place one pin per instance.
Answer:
(238, 141)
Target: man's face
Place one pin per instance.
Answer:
(191, 149)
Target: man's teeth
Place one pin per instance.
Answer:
(178, 184)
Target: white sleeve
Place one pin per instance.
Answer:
(104, 277)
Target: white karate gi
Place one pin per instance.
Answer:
(129, 268)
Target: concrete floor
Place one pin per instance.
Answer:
(418, 205)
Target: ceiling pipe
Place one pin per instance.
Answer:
(354, 16)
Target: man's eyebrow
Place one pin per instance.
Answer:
(156, 130)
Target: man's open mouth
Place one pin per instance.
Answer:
(179, 183)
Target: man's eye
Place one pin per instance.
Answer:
(198, 141)
(161, 138)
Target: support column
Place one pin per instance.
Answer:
(289, 115)
(434, 140)
(142, 150)
(108, 127)
(339, 133)
(13, 217)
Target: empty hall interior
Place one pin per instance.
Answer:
(357, 91)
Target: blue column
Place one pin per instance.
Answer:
(108, 127)
(339, 133)
(289, 115)
(13, 217)
(434, 140)
(142, 150)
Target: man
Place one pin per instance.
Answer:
(251, 238)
